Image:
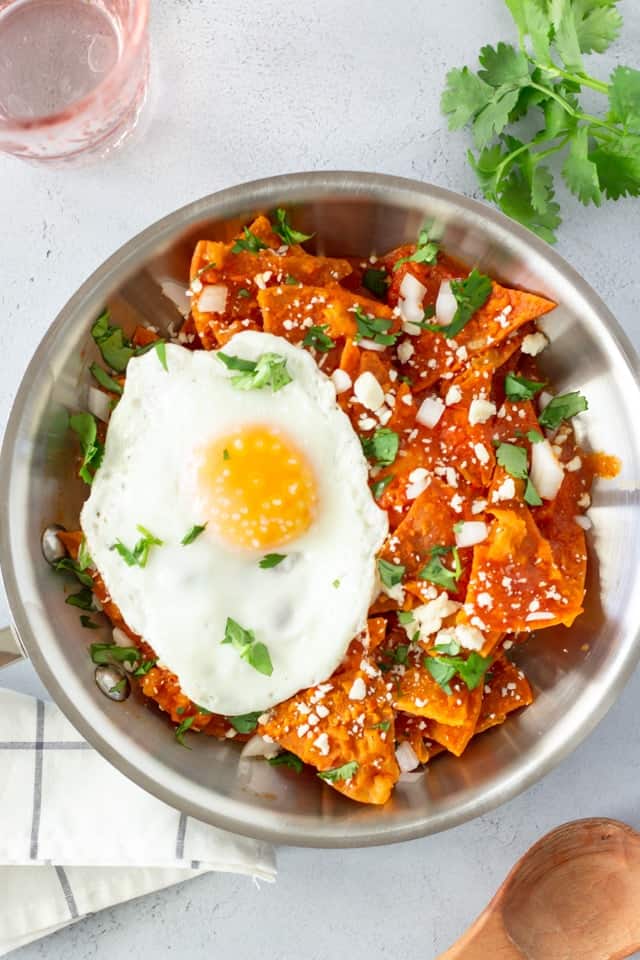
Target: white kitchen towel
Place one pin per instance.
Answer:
(77, 836)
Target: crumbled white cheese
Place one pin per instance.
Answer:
(430, 411)
(341, 380)
(506, 491)
(358, 689)
(429, 616)
(321, 743)
(481, 452)
(478, 506)
(574, 465)
(534, 343)
(480, 410)
(405, 351)
(454, 395)
(418, 481)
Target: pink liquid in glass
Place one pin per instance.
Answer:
(72, 75)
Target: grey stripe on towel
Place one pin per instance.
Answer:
(37, 781)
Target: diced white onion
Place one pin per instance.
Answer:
(368, 391)
(405, 351)
(367, 344)
(546, 472)
(430, 411)
(177, 293)
(411, 296)
(259, 747)
(446, 304)
(544, 399)
(341, 380)
(120, 638)
(213, 298)
(471, 532)
(583, 521)
(99, 404)
(406, 757)
(411, 776)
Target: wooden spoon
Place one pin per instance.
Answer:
(575, 895)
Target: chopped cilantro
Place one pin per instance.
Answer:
(195, 531)
(243, 293)
(470, 295)
(381, 447)
(390, 573)
(435, 571)
(208, 266)
(426, 248)
(144, 668)
(519, 388)
(82, 599)
(513, 459)
(245, 722)
(531, 495)
(250, 650)
(104, 379)
(345, 772)
(269, 370)
(405, 617)
(379, 486)
(120, 686)
(384, 725)
(376, 281)
(272, 560)
(116, 350)
(373, 328)
(401, 653)
(533, 436)
(287, 759)
(562, 407)
(67, 565)
(317, 338)
(140, 553)
(161, 349)
(471, 670)
(285, 231)
(113, 653)
(226, 455)
(249, 242)
(88, 623)
(85, 427)
(291, 281)
(335, 584)
(182, 728)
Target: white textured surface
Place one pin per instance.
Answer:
(245, 90)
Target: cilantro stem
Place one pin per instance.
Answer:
(582, 79)
(542, 154)
(576, 114)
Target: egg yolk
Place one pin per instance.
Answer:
(259, 488)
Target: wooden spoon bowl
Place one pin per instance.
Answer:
(575, 895)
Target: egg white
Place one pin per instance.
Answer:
(307, 609)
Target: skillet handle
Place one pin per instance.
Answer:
(10, 647)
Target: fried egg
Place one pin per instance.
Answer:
(261, 503)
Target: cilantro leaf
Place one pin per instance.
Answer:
(503, 64)
(82, 599)
(139, 555)
(287, 759)
(245, 722)
(533, 436)
(269, 370)
(562, 407)
(565, 35)
(464, 95)
(531, 495)
(471, 670)
(491, 121)
(85, 427)
(580, 172)
(113, 653)
(401, 653)
(88, 623)
(470, 294)
(515, 201)
(144, 668)
(182, 728)
(379, 486)
(376, 281)
(373, 328)
(345, 772)
(618, 165)
(195, 532)
(161, 349)
(251, 650)
(317, 338)
(116, 350)
(207, 266)
(249, 242)
(435, 571)
(598, 24)
(382, 447)
(104, 379)
(285, 231)
(243, 293)
(426, 250)
(390, 573)
(384, 726)
(272, 560)
(67, 565)
(513, 459)
(405, 617)
(624, 98)
(519, 388)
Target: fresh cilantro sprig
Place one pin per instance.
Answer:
(379, 486)
(343, 773)
(426, 248)
(244, 641)
(249, 242)
(544, 75)
(519, 388)
(287, 759)
(317, 338)
(245, 722)
(116, 350)
(390, 573)
(375, 281)
(269, 370)
(285, 231)
(563, 407)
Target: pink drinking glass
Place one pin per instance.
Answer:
(73, 76)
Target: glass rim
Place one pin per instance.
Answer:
(77, 106)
